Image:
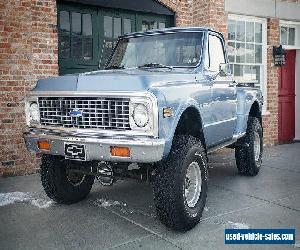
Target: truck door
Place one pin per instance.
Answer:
(223, 92)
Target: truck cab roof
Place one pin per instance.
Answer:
(171, 30)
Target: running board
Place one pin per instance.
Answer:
(226, 143)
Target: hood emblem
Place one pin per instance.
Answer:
(76, 113)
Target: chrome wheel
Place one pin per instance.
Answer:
(256, 146)
(75, 178)
(192, 184)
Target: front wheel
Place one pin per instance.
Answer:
(180, 185)
(63, 186)
(249, 155)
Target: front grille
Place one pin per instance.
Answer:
(96, 112)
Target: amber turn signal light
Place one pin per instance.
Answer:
(120, 151)
(43, 145)
(167, 112)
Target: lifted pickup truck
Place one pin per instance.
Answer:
(165, 100)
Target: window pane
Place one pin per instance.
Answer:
(240, 31)
(76, 23)
(238, 71)
(159, 51)
(107, 49)
(216, 53)
(231, 69)
(250, 53)
(206, 58)
(283, 35)
(87, 24)
(258, 53)
(231, 51)
(240, 53)
(231, 29)
(64, 21)
(291, 36)
(153, 25)
(108, 26)
(161, 25)
(249, 32)
(257, 72)
(249, 74)
(144, 26)
(88, 49)
(64, 47)
(117, 27)
(77, 47)
(258, 32)
(186, 55)
(127, 26)
(148, 25)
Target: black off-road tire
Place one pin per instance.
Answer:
(169, 184)
(245, 154)
(56, 184)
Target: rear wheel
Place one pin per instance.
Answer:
(249, 155)
(61, 185)
(180, 185)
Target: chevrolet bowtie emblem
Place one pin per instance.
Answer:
(76, 113)
(74, 150)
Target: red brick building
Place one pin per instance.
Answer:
(41, 38)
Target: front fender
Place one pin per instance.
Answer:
(169, 125)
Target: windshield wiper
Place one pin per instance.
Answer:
(115, 67)
(155, 65)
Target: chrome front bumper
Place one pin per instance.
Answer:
(142, 150)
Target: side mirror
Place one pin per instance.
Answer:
(224, 69)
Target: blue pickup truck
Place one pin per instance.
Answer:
(164, 101)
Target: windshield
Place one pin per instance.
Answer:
(181, 49)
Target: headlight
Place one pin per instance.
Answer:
(34, 111)
(141, 115)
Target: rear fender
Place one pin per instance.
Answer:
(247, 98)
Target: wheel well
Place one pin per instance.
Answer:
(190, 123)
(255, 111)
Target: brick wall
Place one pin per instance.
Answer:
(199, 13)
(182, 9)
(270, 120)
(210, 14)
(28, 51)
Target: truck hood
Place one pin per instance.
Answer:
(115, 80)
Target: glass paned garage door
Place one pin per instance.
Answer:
(87, 34)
